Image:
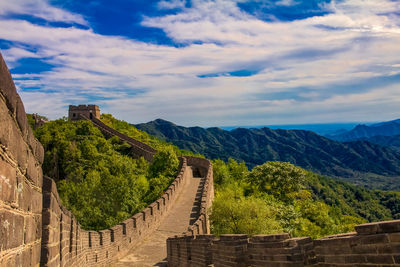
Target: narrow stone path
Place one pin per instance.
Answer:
(153, 250)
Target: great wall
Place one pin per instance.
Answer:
(36, 230)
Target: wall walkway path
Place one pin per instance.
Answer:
(152, 251)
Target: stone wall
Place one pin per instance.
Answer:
(90, 111)
(139, 149)
(202, 224)
(66, 244)
(21, 156)
(374, 244)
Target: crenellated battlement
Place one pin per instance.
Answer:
(374, 244)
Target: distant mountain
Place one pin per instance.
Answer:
(319, 128)
(390, 141)
(389, 128)
(302, 148)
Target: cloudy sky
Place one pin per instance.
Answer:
(207, 63)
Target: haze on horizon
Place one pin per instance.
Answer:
(207, 63)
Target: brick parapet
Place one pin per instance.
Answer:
(65, 243)
(21, 156)
(374, 244)
(202, 224)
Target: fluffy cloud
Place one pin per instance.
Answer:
(40, 9)
(172, 4)
(233, 68)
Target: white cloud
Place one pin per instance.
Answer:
(15, 53)
(40, 9)
(302, 67)
(287, 3)
(171, 4)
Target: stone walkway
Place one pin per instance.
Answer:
(153, 250)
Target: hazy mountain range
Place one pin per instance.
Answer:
(303, 148)
(364, 132)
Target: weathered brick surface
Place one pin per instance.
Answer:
(11, 230)
(379, 246)
(8, 182)
(21, 156)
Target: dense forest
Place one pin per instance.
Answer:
(97, 178)
(280, 197)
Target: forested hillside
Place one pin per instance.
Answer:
(302, 148)
(280, 197)
(388, 128)
(389, 141)
(97, 178)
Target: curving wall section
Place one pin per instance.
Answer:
(64, 243)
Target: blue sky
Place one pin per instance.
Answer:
(207, 63)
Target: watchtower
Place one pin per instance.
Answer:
(89, 111)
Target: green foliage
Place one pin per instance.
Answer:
(353, 200)
(295, 200)
(162, 172)
(132, 131)
(31, 120)
(234, 213)
(225, 174)
(97, 179)
(279, 179)
(165, 163)
(307, 217)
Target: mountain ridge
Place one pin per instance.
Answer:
(362, 131)
(303, 148)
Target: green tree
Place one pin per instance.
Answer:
(277, 178)
(235, 214)
(96, 178)
(165, 163)
(287, 195)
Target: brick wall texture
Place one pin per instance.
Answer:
(373, 244)
(21, 156)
